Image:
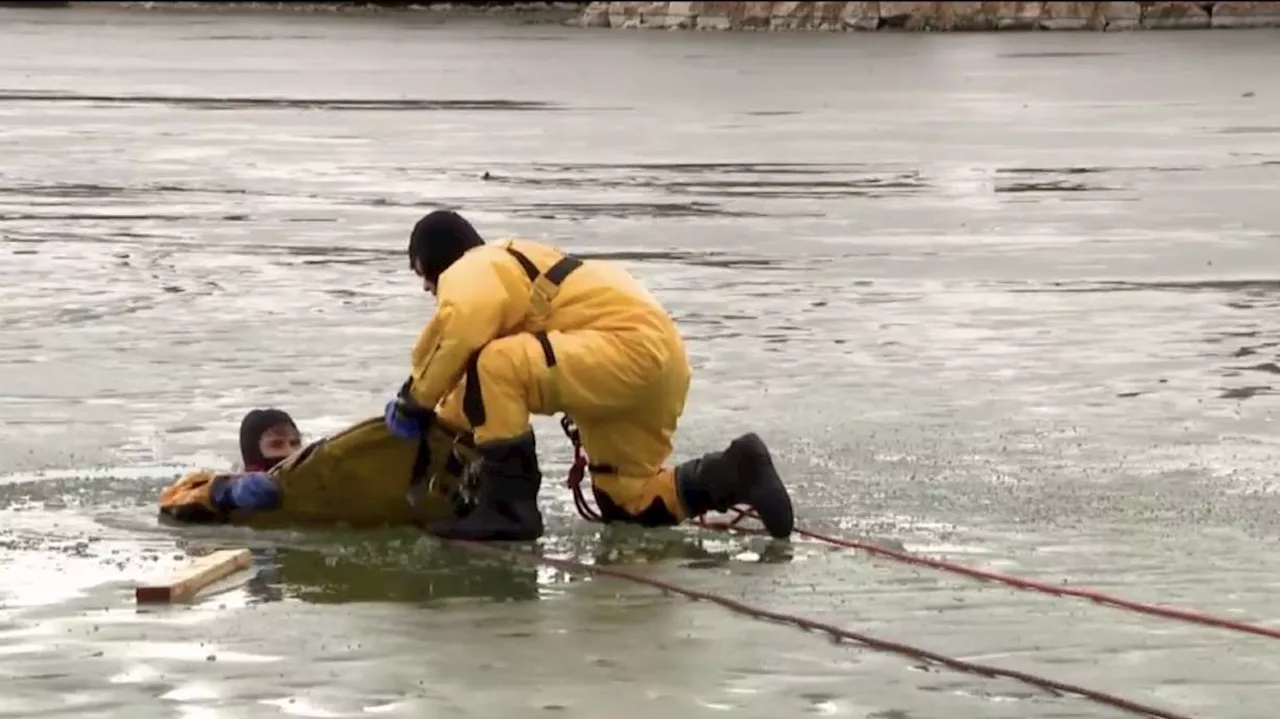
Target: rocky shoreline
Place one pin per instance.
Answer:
(931, 16)
(564, 13)
(781, 16)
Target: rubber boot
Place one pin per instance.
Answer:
(741, 474)
(506, 496)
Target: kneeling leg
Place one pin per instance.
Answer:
(631, 484)
(504, 384)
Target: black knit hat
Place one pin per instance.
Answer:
(438, 240)
(252, 427)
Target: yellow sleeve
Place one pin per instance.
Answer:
(471, 304)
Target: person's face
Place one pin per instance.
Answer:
(279, 442)
(427, 285)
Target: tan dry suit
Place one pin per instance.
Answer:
(360, 476)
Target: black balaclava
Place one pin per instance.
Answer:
(252, 427)
(438, 240)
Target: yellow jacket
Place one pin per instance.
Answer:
(488, 294)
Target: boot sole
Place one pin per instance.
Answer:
(769, 495)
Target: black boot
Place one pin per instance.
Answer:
(741, 474)
(507, 481)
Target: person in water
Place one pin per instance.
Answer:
(267, 437)
(522, 328)
(360, 476)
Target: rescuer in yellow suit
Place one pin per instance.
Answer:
(522, 328)
(361, 476)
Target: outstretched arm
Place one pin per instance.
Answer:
(255, 491)
(207, 496)
(472, 302)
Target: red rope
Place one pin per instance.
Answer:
(1028, 584)
(578, 472)
(835, 632)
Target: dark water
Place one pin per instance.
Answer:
(1007, 299)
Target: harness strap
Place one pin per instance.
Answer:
(421, 462)
(418, 477)
(545, 286)
(556, 275)
(418, 474)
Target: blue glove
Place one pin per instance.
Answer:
(405, 418)
(253, 491)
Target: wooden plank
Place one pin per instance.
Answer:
(199, 574)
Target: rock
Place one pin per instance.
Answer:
(755, 16)
(791, 15)
(625, 15)
(1174, 15)
(952, 15)
(963, 16)
(1122, 15)
(860, 15)
(734, 15)
(1018, 15)
(718, 15)
(652, 14)
(681, 15)
(1071, 16)
(596, 15)
(827, 16)
(904, 15)
(1245, 14)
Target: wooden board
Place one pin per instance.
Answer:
(199, 574)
